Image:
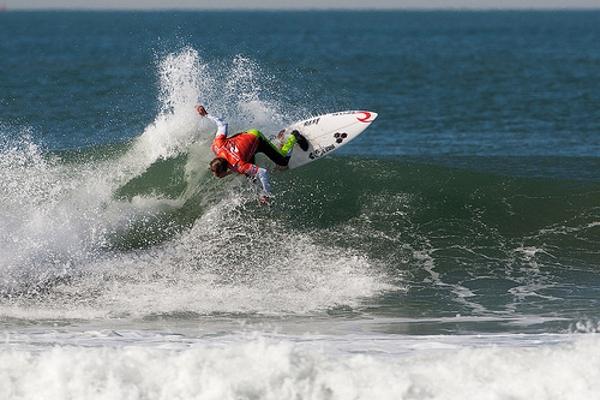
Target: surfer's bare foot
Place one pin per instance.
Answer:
(301, 140)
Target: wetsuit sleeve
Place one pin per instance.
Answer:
(263, 176)
(246, 168)
(258, 172)
(221, 125)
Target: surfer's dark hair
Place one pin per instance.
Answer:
(218, 165)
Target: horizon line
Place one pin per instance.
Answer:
(5, 8)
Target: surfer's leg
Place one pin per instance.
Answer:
(278, 156)
(295, 137)
(288, 146)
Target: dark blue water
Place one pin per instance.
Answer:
(474, 193)
(481, 83)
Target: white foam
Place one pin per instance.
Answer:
(306, 367)
(59, 221)
(56, 215)
(227, 262)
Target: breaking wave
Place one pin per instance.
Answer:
(140, 229)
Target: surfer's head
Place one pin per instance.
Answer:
(218, 166)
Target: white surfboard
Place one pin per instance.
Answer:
(326, 133)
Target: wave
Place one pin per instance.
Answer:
(140, 228)
(433, 368)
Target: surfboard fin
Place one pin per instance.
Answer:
(301, 140)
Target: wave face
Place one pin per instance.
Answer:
(140, 229)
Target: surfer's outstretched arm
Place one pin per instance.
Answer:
(263, 177)
(254, 171)
(221, 125)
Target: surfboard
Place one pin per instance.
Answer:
(326, 134)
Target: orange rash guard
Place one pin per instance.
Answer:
(239, 150)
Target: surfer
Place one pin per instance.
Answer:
(236, 153)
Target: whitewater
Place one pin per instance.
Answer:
(136, 365)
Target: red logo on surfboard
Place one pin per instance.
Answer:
(366, 117)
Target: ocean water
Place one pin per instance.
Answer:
(450, 252)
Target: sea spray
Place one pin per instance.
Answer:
(103, 250)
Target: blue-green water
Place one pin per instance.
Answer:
(504, 83)
(470, 207)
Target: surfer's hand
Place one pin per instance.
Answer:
(264, 200)
(201, 110)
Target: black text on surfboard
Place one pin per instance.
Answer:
(313, 121)
(320, 152)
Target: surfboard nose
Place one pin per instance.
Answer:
(366, 116)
